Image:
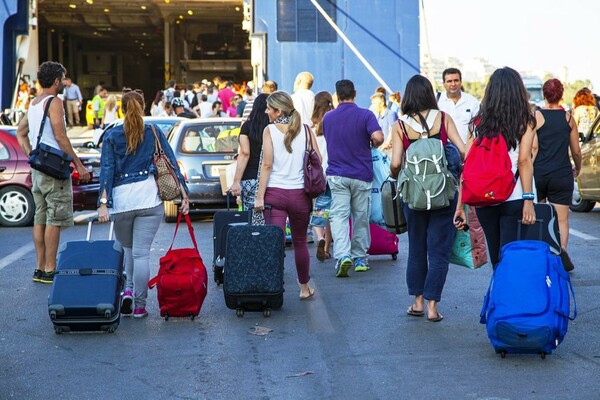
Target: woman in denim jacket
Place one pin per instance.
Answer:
(129, 193)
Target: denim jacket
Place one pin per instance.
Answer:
(118, 168)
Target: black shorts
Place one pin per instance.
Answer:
(556, 188)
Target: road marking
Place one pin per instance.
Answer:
(582, 235)
(318, 317)
(14, 256)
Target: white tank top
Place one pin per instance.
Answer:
(517, 193)
(34, 119)
(288, 169)
(110, 116)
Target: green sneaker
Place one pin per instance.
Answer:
(344, 266)
(47, 277)
(37, 275)
(360, 265)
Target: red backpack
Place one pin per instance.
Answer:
(487, 177)
(182, 279)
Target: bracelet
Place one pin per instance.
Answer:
(528, 196)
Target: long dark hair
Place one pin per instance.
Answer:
(257, 120)
(504, 108)
(418, 96)
(323, 103)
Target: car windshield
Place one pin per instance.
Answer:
(165, 127)
(213, 138)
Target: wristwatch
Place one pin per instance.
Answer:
(103, 200)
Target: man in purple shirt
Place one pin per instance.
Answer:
(350, 131)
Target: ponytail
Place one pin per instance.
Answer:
(293, 130)
(133, 125)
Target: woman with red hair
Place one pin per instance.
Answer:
(584, 109)
(557, 134)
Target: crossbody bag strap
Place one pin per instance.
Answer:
(157, 147)
(46, 109)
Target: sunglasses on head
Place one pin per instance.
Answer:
(138, 91)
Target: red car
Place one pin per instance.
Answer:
(16, 201)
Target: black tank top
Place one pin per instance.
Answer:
(553, 140)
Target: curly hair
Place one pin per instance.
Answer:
(553, 90)
(48, 72)
(505, 108)
(584, 97)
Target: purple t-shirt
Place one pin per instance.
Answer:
(347, 131)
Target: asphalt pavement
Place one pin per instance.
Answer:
(352, 341)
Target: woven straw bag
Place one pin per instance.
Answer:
(166, 179)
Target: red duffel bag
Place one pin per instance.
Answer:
(182, 279)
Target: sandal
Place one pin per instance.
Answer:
(321, 250)
(311, 293)
(414, 313)
(437, 318)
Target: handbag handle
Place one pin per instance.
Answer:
(157, 147)
(46, 108)
(190, 229)
(308, 139)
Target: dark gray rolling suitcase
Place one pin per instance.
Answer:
(222, 221)
(86, 293)
(253, 276)
(545, 215)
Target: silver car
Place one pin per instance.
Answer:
(202, 147)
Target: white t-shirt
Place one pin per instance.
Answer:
(205, 109)
(517, 193)
(304, 101)
(462, 112)
(323, 150)
(288, 169)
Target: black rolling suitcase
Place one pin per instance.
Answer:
(545, 215)
(86, 293)
(222, 221)
(253, 276)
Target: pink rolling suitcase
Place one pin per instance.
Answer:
(383, 242)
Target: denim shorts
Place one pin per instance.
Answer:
(53, 200)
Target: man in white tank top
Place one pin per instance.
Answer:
(53, 197)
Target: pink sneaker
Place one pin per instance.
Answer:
(140, 313)
(127, 303)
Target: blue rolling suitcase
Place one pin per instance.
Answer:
(528, 303)
(253, 276)
(86, 293)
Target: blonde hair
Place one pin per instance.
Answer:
(133, 125)
(111, 102)
(283, 101)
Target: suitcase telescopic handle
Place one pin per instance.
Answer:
(95, 219)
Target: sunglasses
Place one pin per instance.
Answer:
(138, 91)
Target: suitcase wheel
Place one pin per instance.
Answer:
(503, 353)
(112, 329)
(395, 256)
(192, 316)
(239, 312)
(543, 355)
(166, 316)
(57, 330)
(267, 312)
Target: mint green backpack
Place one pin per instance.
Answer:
(425, 182)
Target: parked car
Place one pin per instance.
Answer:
(16, 201)
(164, 123)
(587, 188)
(202, 147)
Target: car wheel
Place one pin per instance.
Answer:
(16, 206)
(578, 204)
(171, 211)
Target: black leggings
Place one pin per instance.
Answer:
(500, 226)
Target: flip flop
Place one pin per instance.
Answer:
(311, 293)
(321, 250)
(414, 313)
(438, 318)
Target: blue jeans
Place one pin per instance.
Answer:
(350, 197)
(430, 238)
(135, 230)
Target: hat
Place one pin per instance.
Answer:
(177, 102)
